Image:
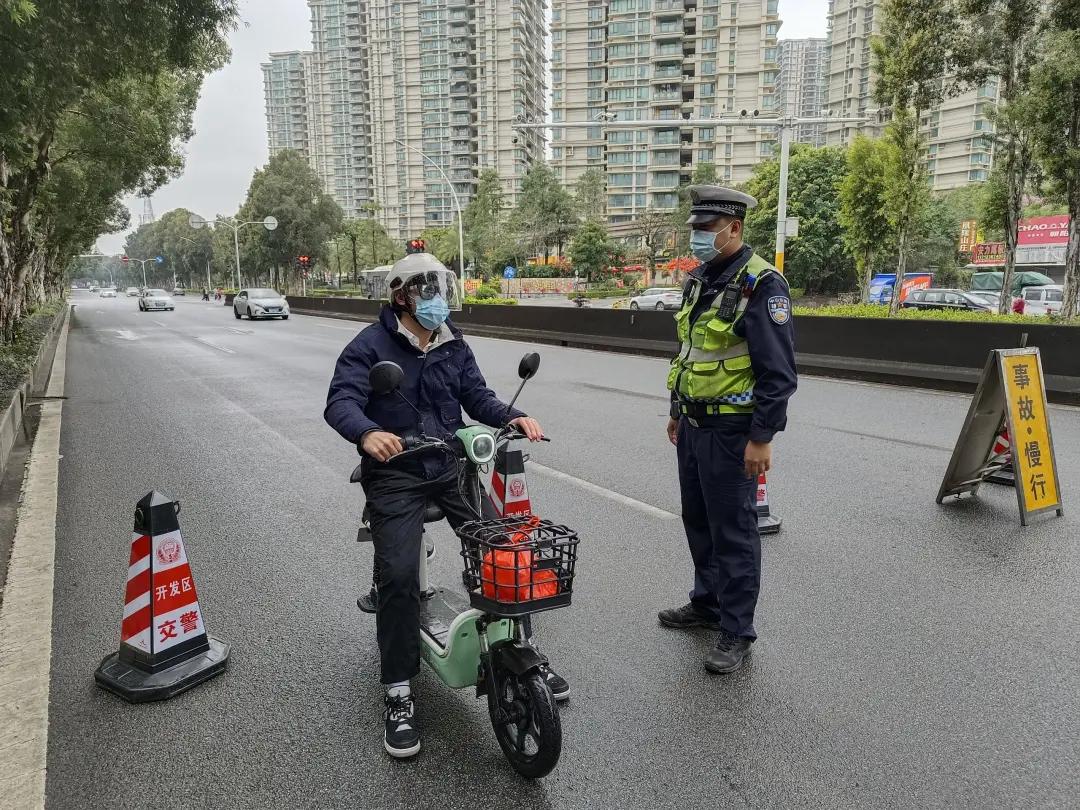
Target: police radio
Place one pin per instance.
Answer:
(729, 301)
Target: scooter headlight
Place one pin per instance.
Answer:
(482, 448)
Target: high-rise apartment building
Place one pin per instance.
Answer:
(802, 85)
(958, 131)
(446, 78)
(449, 78)
(633, 60)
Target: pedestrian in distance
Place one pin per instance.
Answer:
(729, 385)
(441, 377)
(205, 294)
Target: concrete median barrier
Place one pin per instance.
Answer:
(946, 355)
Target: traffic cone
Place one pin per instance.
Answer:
(1002, 452)
(164, 647)
(767, 523)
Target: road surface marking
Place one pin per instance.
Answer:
(126, 334)
(618, 497)
(236, 331)
(215, 346)
(328, 326)
(162, 323)
(26, 612)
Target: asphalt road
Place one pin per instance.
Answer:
(909, 654)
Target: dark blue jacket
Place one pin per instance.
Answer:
(439, 383)
(770, 337)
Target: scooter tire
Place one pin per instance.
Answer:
(540, 722)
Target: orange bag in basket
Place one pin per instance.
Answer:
(507, 575)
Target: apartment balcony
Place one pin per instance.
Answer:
(667, 53)
(667, 30)
(667, 72)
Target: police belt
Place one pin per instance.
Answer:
(703, 410)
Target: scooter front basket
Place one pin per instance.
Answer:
(518, 565)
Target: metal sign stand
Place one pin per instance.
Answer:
(1011, 390)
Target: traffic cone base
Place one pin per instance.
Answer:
(136, 685)
(767, 523)
(164, 646)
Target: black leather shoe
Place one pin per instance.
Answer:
(685, 617)
(728, 654)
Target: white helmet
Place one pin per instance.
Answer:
(423, 269)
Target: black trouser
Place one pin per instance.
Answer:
(720, 516)
(396, 502)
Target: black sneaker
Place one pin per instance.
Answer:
(560, 689)
(369, 602)
(685, 617)
(401, 737)
(728, 654)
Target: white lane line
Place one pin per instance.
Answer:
(339, 328)
(26, 612)
(162, 323)
(236, 331)
(126, 334)
(618, 497)
(215, 346)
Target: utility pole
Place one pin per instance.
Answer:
(355, 271)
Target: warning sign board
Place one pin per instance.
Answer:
(1010, 392)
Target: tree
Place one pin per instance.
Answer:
(867, 233)
(1000, 46)
(704, 174)
(485, 223)
(1053, 107)
(545, 215)
(591, 251)
(816, 260)
(60, 64)
(288, 189)
(652, 229)
(910, 58)
(590, 195)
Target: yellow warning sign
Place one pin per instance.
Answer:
(1010, 391)
(1033, 452)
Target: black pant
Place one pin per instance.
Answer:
(719, 513)
(396, 502)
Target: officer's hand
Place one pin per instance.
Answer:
(381, 445)
(673, 430)
(758, 458)
(529, 426)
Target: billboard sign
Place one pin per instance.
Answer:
(1053, 230)
(989, 253)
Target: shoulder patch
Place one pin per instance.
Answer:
(780, 309)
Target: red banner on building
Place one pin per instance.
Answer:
(988, 253)
(1044, 230)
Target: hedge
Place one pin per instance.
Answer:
(911, 314)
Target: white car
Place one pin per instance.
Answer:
(108, 292)
(260, 302)
(658, 298)
(132, 292)
(155, 299)
(1043, 300)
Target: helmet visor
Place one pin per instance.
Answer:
(442, 283)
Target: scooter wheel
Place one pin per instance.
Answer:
(526, 722)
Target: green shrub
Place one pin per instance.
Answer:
(796, 292)
(601, 292)
(881, 311)
(485, 291)
(505, 302)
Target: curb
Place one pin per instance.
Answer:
(12, 419)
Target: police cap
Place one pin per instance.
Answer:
(709, 202)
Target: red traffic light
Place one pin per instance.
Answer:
(415, 246)
(125, 260)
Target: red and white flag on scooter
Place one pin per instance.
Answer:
(509, 490)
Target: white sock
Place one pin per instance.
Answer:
(399, 689)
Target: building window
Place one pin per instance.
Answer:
(708, 67)
(596, 14)
(594, 152)
(977, 175)
(556, 152)
(708, 44)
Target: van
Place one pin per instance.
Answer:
(1043, 300)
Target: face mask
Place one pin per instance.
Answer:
(431, 312)
(703, 243)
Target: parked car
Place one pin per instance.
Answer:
(1043, 300)
(658, 298)
(155, 299)
(260, 302)
(132, 292)
(108, 292)
(939, 298)
(93, 288)
(993, 299)
(179, 291)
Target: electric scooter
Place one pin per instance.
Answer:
(515, 564)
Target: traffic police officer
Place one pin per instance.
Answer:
(729, 390)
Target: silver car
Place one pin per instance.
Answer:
(658, 298)
(155, 299)
(260, 302)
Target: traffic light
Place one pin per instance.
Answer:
(125, 260)
(303, 262)
(415, 246)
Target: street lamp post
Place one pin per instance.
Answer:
(457, 207)
(785, 124)
(196, 222)
(207, 260)
(142, 262)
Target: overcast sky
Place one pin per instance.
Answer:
(230, 123)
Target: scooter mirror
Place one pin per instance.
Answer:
(385, 377)
(528, 366)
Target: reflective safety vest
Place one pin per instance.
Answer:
(713, 364)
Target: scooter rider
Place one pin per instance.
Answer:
(441, 378)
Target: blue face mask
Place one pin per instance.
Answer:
(432, 312)
(703, 244)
